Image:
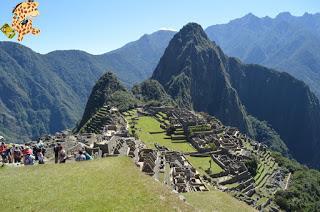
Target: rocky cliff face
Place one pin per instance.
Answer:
(193, 72)
(286, 103)
(197, 74)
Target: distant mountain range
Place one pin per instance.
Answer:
(47, 93)
(286, 43)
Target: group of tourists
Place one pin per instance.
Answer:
(60, 155)
(26, 154)
(29, 154)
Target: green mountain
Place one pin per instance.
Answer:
(151, 91)
(286, 43)
(195, 72)
(108, 91)
(43, 94)
(33, 99)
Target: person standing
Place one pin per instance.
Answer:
(40, 156)
(56, 150)
(9, 153)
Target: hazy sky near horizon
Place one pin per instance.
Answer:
(98, 26)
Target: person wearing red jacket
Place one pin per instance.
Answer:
(3, 151)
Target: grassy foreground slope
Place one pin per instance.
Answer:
(112, 184)
(215, 200)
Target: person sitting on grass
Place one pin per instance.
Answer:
(81, 156)
(17, 154)
(88, 157)
(62, 154)
(40, 156)
(28, 157)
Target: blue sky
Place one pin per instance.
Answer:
(98, 26)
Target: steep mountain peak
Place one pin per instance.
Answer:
(192, 28)
(193, 33)
(190, 42)
(192, 70)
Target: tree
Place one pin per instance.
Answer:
(252, 166)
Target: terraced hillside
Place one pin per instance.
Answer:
(94, 124)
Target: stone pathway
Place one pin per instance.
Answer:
(288, 181)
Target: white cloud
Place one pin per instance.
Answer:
(168, 29)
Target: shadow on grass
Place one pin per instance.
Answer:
(179, 141)
(160, 132)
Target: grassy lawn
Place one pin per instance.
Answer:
(215, 200)
(129, 115)
(233, 185)
(262, 200)
(165, 116)
(149, 132)
(111, 184)
(202, 164)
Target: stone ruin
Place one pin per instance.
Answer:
(230, 153)
(147, 161)
(183, 177)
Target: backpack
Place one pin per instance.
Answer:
(17, 154)
(88, 157)
(28, 160)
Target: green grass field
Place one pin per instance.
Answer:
(215, 200)
(111, 184)
(149, 132)
(202, 164)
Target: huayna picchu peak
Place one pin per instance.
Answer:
(198, 75)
